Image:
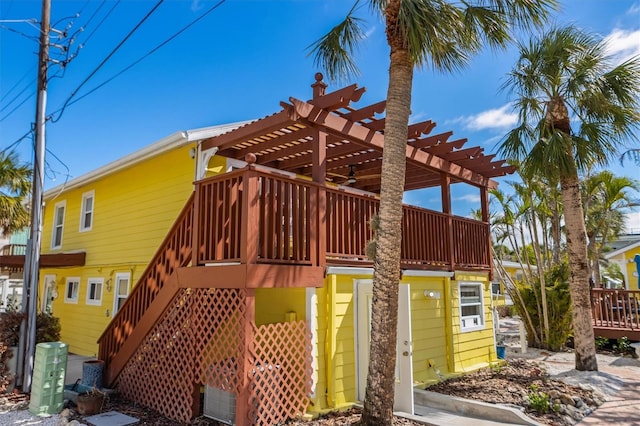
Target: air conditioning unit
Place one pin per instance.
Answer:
(219, 405)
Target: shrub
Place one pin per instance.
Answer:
(602, 342)
(558, 304)
(538, 401)
(47, 330)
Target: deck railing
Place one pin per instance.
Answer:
(616, 309)
(258, 216)
(174, 252)
(13, 250)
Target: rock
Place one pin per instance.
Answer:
(573, 412)
(566, 399)
(578, 402)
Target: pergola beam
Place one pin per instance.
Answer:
(357, 133)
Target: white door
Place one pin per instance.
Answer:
(403, 400)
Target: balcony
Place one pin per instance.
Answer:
(258, 216)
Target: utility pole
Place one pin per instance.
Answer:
(32, 258)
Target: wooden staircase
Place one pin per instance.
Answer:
(149, 298)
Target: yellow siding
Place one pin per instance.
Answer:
(133, 210)
(344, 360)
(428, 329)
(471, 349)
(273, 303)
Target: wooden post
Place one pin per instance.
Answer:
(250, 217)
(445, 185)
(484, 206)
(319, 199)
(195, 225)
(242, 402)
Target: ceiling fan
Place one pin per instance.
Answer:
(351, 178)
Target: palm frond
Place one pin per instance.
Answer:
(334, 51)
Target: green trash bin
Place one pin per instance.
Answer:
(47, 385)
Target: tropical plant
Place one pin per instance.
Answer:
(606, 198)
(560, 78)
(442, 35)
(15, 185)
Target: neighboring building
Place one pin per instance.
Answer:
(11, 278)
(254, 281)
(625, 252)
(515, 271)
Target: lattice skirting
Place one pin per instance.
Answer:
(205, 338)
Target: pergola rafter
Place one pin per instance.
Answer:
(353, 140)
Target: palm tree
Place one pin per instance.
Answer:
(15, 185)
(608, 197)
(561, 78)
(442, 35)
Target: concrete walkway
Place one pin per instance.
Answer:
(622, 409)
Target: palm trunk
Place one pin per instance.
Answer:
(379, 395)
(541, 276)
(582, 321)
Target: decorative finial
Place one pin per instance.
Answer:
(250, 158)
(319, 86)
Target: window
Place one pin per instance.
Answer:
(49, 293)
(86, 214)
(94, 291)
(122, 290)
(58, 225)
(471, 309)
(71, 290)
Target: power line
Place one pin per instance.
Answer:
(17, 141)
(17, 106)
(24, 89)
(8, 92)
(146, 55)
(104, 61)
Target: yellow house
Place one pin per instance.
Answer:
(515, 272)
(625, 252)
(231, 260)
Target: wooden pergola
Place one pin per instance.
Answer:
(327, 139)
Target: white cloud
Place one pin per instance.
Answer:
(470, 198)
(623, 44)
(497, 118)
(635, 8)
(369, 33)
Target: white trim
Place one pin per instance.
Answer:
(54, 226)
(233, 163)
(90, 283)
(89, 194)
(114, 289)
(348, 270)
(175, 140)
(622, 250)
(345, 270)
(312, 319)
(49, 282)
(481, 317)
(223, 264)
(66, 288)
(421, 273)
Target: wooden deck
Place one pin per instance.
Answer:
(616, 313)
(255, 215)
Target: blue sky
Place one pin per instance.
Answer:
(237, 63)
